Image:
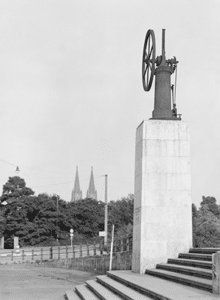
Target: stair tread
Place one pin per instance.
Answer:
(71, 295)
(201, 255)
(203, 281)
(203, 250)
(191, 261)
(102, 291)
(120, 288)
(82, 289)
(181, 267)
(161, 288)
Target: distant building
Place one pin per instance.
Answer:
(76, 192)
(91, 192)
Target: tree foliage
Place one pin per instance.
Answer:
(15, 187)
(44, 219)
(206, 223)
(121, 214)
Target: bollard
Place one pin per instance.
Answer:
(73, 251)
(32, 254)
(12, 252)
(87, 245)
(216, 273)
(22, 255)
(58, 252)
(66, 251)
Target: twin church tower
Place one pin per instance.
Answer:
(77, 192)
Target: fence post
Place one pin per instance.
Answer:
(121, 242)
(51, 252)
(41, 254)
(100, 248)
(216, 273)
(12, 252)
(32, 254)
(58, 252)
(66, 251)
(115, 245)
(87, 245)
(127, 243)
(22, 255)
(94, 247)
(80, 250)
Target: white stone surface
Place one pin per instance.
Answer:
(162, 205)
(216, 273)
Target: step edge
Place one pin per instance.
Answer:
(208, 271)
(94, 291)
(194, 273)
(195, 283)
(120, 293)
(80, 293)
(136, 287)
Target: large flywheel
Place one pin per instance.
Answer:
(148, 61)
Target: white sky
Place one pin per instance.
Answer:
(71, 91)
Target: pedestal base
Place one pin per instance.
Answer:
(162, 202)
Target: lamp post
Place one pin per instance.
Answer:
(71, 236)
(57, 220)
(106, 210)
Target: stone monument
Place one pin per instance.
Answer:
(162, 197)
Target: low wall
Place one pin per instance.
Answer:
(95, 264)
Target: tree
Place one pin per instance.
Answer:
(121, 213)
(87, 217)
(13, 195)
(211, 202)
(206, 228)
(15, 187)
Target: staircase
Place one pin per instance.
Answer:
(188, 276)
(193, 269)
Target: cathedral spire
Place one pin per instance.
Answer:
(76, 192)
(91, 192)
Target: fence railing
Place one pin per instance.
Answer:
(64, 252)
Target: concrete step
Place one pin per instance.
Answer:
(85, 293)
(201, 283)
(123, 291)
(190, 262)
(158, 288)
(101, 291)
(197, 272)
(204, 250)
(71, 295)
(196, 256)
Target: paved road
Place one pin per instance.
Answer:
(30, 282)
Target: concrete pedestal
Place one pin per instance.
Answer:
(162, 200)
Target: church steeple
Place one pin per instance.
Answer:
(76, 192)
(91, 192)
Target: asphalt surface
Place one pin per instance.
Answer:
(30, 282)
